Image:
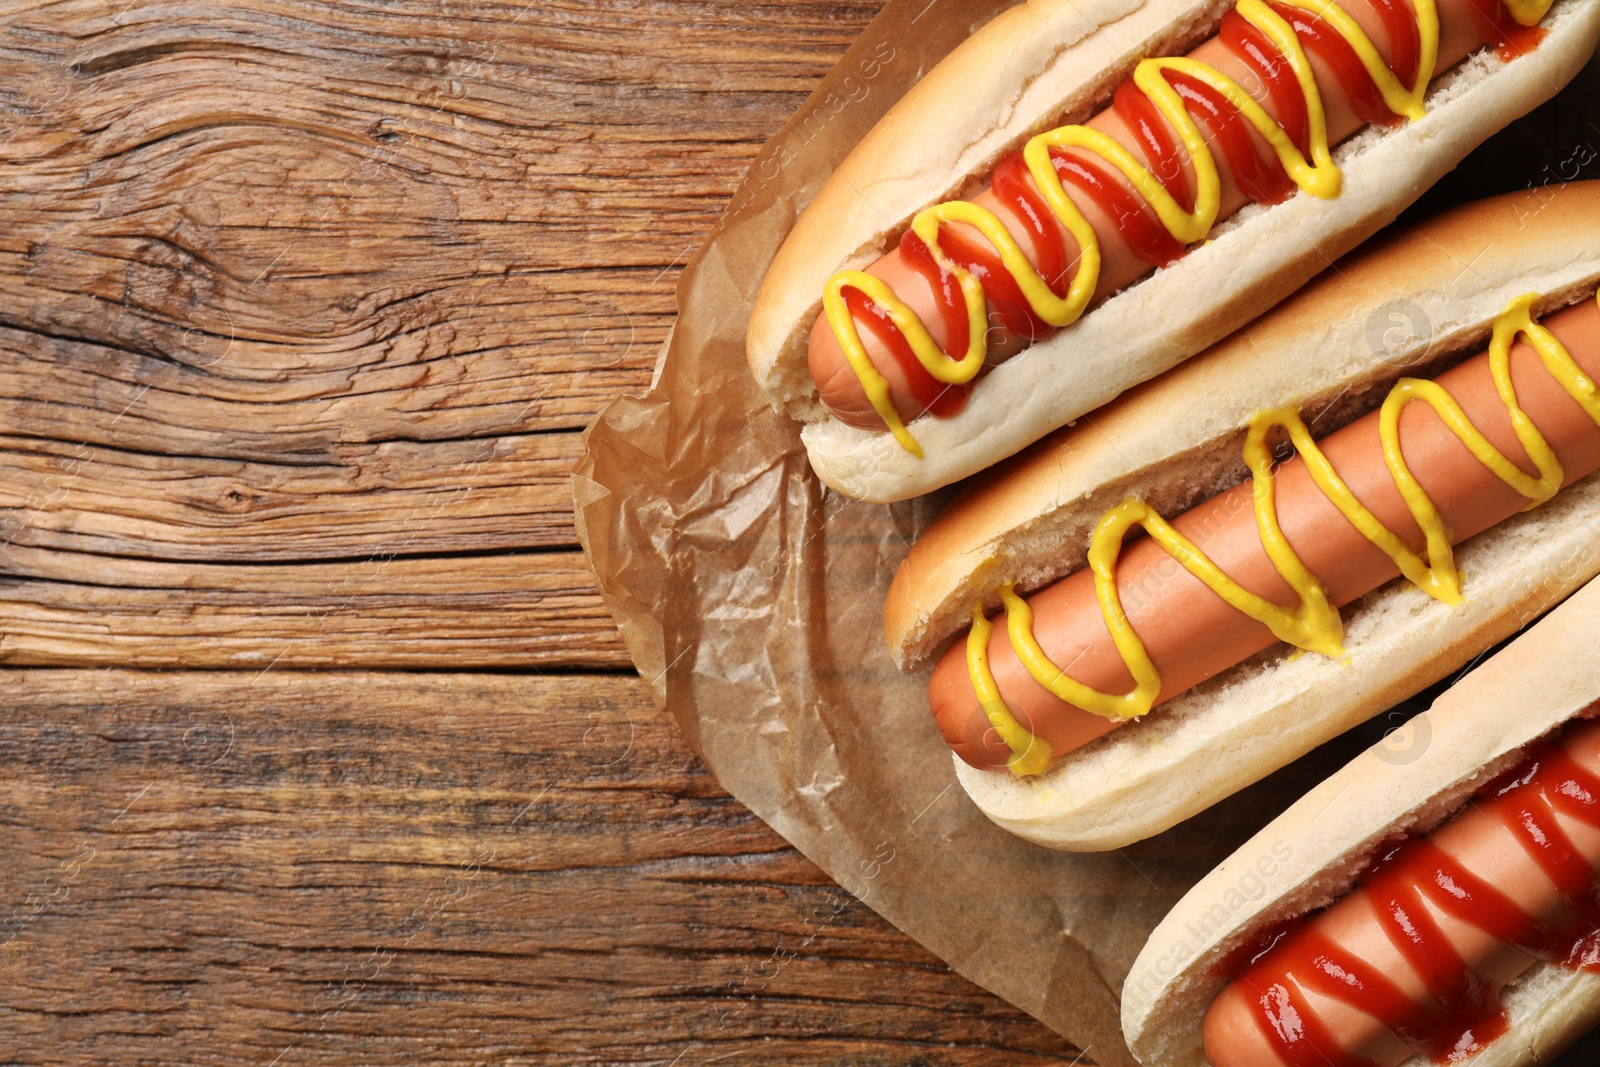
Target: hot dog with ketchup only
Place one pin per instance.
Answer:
(1155, 156)
(1437, 898)
(1482, 434)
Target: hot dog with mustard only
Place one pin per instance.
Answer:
(892, 295)
(1438, 897)
(1269, 614)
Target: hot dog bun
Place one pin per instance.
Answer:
(1049, 61)
(1176, 440)
(1549, 675)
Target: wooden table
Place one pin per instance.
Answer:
(318, 744)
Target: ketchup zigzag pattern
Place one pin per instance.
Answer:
(1463, 1011)
(1163, 216)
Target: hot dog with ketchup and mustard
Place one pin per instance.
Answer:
(963, 285)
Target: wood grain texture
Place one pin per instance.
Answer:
(302, 305)
(370, 868)
(310, 282)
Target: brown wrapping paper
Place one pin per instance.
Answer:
(751, 601)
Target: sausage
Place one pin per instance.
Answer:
(1191, 634)
(1483, 847)
(1461, 33)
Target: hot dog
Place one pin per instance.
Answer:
(1440, 901)
(1079, 212)
(1201, 617)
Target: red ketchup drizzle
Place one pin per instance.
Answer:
(1405, 38)
(1146, 236)
(1263, 180)
(1321, 39)
(939, 398)
(1267, 183)
(1012, 187)
(1253, 49)
(1155, 138)
(1463, 1012)
(1509, 37)
(952, 308)
(1009, 308)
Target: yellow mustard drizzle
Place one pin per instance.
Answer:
(1030, 754)
(1313, 623)
(1317, 176)
(1528, 12)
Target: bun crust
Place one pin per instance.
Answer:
(1034, 67)
(1176, 441)
(1328, 836)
